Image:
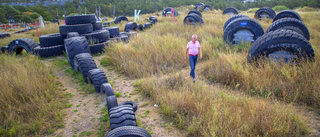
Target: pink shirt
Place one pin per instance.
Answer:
(193, 47)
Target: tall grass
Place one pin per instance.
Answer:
(291, 83)
(29, 97)
(205, 111)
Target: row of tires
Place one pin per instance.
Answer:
(122, 117)
(266, 13)
(285, 39)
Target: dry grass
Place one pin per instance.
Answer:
(205, 111)
(30, 99)
(49, 28)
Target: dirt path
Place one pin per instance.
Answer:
(147, 114)
(82, 116)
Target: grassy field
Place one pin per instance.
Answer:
(158, 53)
(262, 100)
(30, 98)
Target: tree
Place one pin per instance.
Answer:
(26, 18)
(34, 15)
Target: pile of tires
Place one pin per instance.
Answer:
(193, 17)
(230, 11)
(84, 25)
(201, 6)
(286, 40)
(265, 13)
(168, 11)
(241, 29)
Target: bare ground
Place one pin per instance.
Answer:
(82, 118)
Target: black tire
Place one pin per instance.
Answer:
(231, 19)
(107, 89)
(193, 18)
(130, 26)
(122, 38)
(3, 49)
(98, 48)
(195, 12)
(123, 118)
(166, 10)
(124, 123)
(111, 102)
(3, 35)
(106, 24)
(147, 25)
(97, 25)
(230, 10)
(97, 77)
(18, 45)
(140, 27)
(97, 36)
(80, 28)
(290, 24)
(116, 115)
(51, 51)
(114, 31)
(120, 18)
(83, 63)
(72, 34)
(265, 10)
(287, 14)
(82, 19)
(51, 40)
(125, 131)
(74, 46)
(132, 104)
(207, 8)
(242, 23)
(153, 18)
(120, 108)
(199, 5)
(280, 40)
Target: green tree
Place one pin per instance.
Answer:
(34, 15)
(26, 18)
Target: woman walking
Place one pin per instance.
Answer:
(193, 48)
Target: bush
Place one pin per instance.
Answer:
(34, 15)
(254, 10)
(280, 8)
(306, 9)
(26, 19)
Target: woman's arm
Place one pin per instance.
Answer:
(185, 56)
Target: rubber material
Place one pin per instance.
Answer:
(128, 131)
(97, 77)
(74, 46)
(51, 40)
(107, 89)
(18, 45)
(84, 62)
(45, 52)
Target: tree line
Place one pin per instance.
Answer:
(127, 7)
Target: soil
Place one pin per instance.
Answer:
(82, 118)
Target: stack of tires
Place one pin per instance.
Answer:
(241, 28)
(122, 117)
(265, 13)
(201, 6)
(230, 11)
(286, 39)
(3, 35)
(193, 17)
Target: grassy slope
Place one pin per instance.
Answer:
(160, 50)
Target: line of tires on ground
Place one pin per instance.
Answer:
(201, 6)
(286, 39)
(119, 19)
(122, 117)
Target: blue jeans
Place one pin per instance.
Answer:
(193, 62)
